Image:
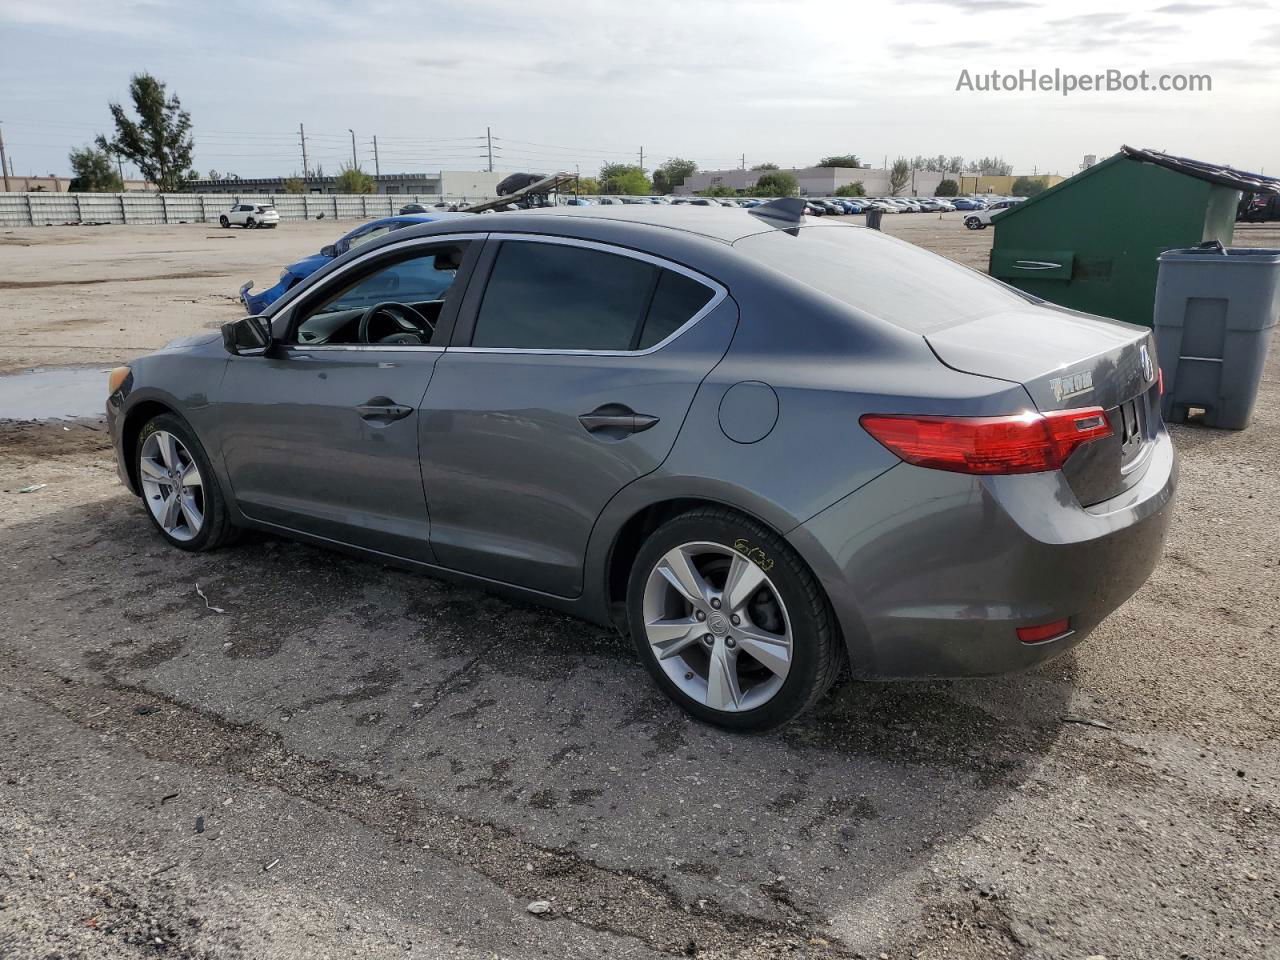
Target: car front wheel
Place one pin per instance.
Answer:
(730, 622)
(224, 222)
(973, 223)
(178, 486)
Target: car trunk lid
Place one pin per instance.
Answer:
(1065, 361)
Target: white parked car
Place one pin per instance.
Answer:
(979, 219)
(250, 216)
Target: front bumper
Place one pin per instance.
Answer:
(115, 424)
(931, 573)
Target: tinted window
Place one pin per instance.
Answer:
(556, 297)
(362, 238)
(887, 278)
(675, 301)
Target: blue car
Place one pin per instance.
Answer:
(962, 203)
(295, 273)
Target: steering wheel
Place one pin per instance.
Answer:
(407, 319)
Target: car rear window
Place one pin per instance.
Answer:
(887, 278)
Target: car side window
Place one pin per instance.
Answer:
(410, 292)
(676, 300)
(549, 296)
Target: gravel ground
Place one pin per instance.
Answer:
(344, 760)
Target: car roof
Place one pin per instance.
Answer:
(724, 225)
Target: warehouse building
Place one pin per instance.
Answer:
(814, 181)
(825, 181)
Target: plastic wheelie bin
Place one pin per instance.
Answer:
(1215, 312)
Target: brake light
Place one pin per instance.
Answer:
(1160, 381)
(1024, 443)
(1044, 631)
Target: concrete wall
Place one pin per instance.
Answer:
(44, 208)
(815, 181)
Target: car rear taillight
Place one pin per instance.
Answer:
(1160, 380)
(1043, 632)
(1024, 443)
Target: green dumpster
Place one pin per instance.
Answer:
(1093, 242)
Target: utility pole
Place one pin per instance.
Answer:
(120, 169)
(354, 162)
(4, 164)
(488, 135)
(744, 161)
(377, 170)
(642, 159)
(302, 137)
(577, 175)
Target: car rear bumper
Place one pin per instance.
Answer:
(931, 573)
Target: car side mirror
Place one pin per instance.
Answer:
(329, 250)
(249, 337)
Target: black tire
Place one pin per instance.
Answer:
(817, 650)
(217, 530)
(224, 222)
(973, 223)
(250, 223)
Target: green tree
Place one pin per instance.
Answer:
(720, 190)
(159, 142)
(588, 185)
(947, 188)
(840, 160)
(352, 180)
(899, 175)
(294, 184)
(672, 173)
(766, 166)
(855, 189)
(93, 171)
(624, 178)
(991, 167)
(1027, 186)
(776, 184)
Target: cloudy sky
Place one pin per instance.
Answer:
(592, 82)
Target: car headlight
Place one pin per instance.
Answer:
(116, 378)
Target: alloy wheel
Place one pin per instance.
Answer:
(717, 626)
(172, 485)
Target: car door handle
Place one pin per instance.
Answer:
(616, 420)
(383, 410)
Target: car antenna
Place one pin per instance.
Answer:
(790, 209)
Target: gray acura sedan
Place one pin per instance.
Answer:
(763, 447)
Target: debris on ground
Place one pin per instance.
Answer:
(207, 604)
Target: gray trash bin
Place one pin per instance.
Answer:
(874, 217)
(1214, 313)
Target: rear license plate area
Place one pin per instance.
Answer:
(1131, 428)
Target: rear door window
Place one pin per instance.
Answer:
(549, 296)
(676, 300)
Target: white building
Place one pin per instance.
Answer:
(817, 181)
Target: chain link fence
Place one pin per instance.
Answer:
(42, 209)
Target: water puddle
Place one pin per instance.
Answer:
(62, 393)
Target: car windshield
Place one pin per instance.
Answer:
(886, 278)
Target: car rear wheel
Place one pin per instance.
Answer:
(178, 486)
(224, 222)
(250, 223)
(730, 622)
